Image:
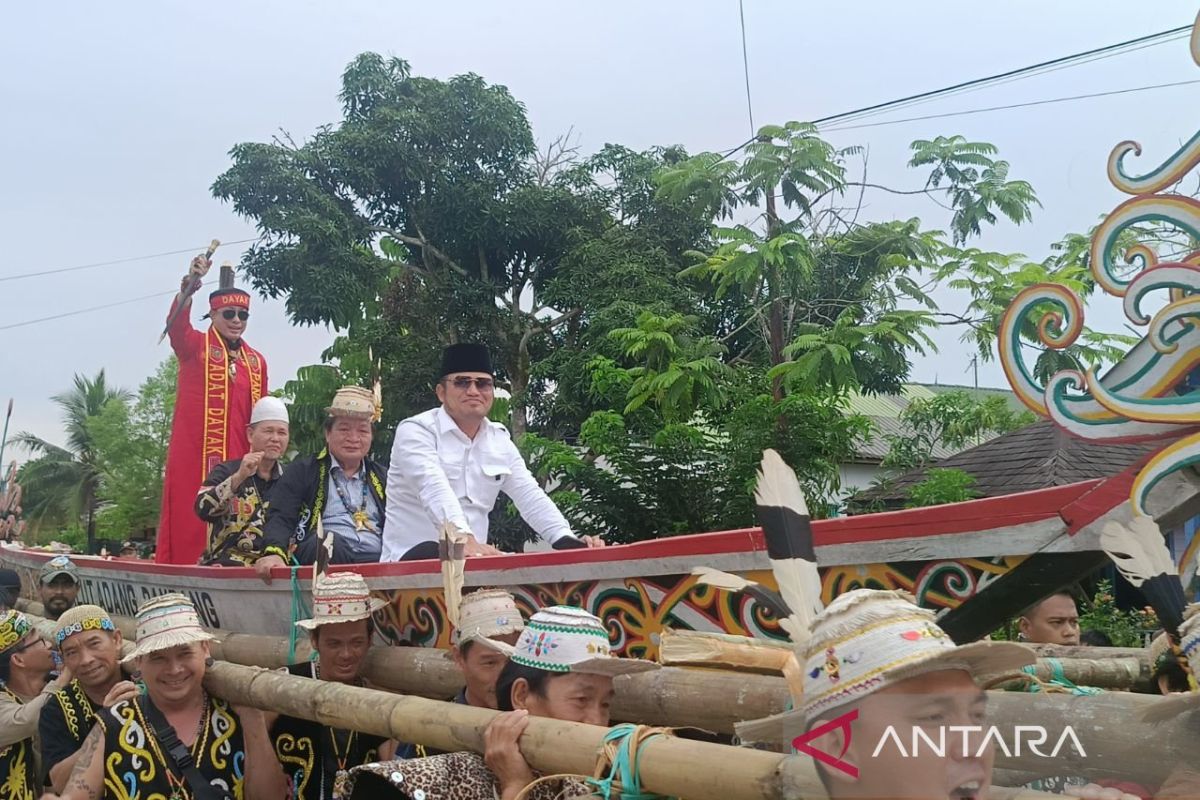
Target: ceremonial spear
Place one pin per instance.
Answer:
(186, 292)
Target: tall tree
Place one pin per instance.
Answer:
(428, 203)
(61, 483)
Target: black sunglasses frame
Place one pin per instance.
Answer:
(230, 314)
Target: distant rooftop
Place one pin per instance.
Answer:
(884, 412)
(1037, 456)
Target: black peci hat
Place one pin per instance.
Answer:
(466, 357)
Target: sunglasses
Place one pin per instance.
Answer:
(482, 384)
(230, 314)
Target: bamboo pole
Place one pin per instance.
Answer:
(703, 649)
(669, 766)
(1125, 668)
(699, 770)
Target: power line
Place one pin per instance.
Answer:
(1154, 38)
(1034, 72)
(89, 310)
(57, 270)
(746, 68)
(1014, 105)
(964, 87)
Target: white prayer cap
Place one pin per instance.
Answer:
(269, 408)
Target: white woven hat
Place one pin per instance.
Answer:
(269, 408)
(340, 597)
(568, 639)
(869, 639)
(487, 613)
(354, 402)
(167, 621)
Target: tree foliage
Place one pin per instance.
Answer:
(952, 421)
(659, 317)
(130, 439)
(62, 482)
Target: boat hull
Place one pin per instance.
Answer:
(946, 556)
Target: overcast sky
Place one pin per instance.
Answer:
(118, 116)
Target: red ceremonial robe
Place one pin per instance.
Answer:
(212, 410)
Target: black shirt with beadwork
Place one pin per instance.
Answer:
(312, 753)
(65, 722)
(18, 772)
(136, 766)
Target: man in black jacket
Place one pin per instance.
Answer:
(340, 486)
(234, 497)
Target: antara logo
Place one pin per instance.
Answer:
(1031, 736)
(801, 743)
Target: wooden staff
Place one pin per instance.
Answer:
(185, 293)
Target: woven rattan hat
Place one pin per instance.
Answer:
(340, 597)
(354, 402)
(568, 639)
(869, 639)
(164, 622)
(487, 613)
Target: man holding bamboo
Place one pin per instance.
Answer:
(90, 646)
(484, 616)
(340, 631)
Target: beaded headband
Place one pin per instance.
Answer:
(89, 624)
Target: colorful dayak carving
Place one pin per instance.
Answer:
(1144, 396)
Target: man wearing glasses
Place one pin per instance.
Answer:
(449, 464)
(220, 379)
(25, 662)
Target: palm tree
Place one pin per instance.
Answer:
(61, 483)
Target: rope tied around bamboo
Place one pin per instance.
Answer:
(617, 775)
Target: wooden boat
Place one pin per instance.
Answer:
(979, 562)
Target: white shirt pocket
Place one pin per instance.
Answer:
(486, 488)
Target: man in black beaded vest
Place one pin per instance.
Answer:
(340, 630)
(90, 646)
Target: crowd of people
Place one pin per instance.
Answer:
(85, 714)
(228, 499)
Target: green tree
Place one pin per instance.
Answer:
(825, 291)
(429, 213)
(952, 420)
(130, 441)
(942, 486)
(62, 483)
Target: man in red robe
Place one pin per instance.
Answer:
(220, 379)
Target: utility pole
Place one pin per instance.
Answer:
(974, 365)
(4, 441)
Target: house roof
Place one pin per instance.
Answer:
(884, 412)
(1037, 456)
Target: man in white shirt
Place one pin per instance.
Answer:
(451, 463)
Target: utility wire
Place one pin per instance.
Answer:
(1010, 79)
(89, 310)
(1155, 38)
(964, 87)
(746, 68)
(57, 270)
(1014, 105)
